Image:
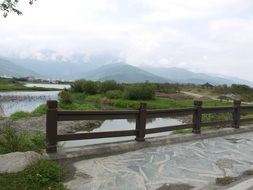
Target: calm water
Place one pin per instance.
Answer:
(58, 86)
(11, 102)
(123, 124)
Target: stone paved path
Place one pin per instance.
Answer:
(197, 163)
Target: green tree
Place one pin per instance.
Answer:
(8, 6)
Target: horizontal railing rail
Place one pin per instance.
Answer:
(140, 115)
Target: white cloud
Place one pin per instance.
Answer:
(212, 36)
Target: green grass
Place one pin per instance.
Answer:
(40, 110)
(162, 103)
(43, 175)
(10, 141)
(83, 102)
(14, 85)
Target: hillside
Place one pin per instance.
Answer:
(12, 70)
(121, 72)
(185, 76)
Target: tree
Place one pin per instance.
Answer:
(8, 6)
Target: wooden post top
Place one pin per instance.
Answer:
(237, 102)
(143, 105)
(52, 104)
(198, 103)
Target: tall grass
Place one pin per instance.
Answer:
(10, 141)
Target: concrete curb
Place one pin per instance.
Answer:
(107, 149)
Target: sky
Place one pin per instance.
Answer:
(208, 36)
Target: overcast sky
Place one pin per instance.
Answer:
(212, 36)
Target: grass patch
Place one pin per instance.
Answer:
(43, 175)
(163, 103)
(175, 187)
(39, 111)
(189, 131)
(222, 181)
(181, 132)
(248, 173)
(14, 85)
(80, 101)
(10, 141)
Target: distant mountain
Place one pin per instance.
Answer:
(121, 72)
(106, 67)
(61, 68)
(9, 69)
(185, 76)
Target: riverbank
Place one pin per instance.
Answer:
(37, 125)
(9, 84)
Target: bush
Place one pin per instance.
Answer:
(65, 96)
(139, 92)
(110, 85)
(86, 86)
(77, 86)
(114, 94)
(13, 142)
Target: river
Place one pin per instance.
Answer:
(120, 125)
(11, 102)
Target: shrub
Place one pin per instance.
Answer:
(139, 92)
(110, 85)
(114, 94)
(65, 96)
(77, 86)
(86, 86)
(13, 142)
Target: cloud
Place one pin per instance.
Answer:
(213, 36)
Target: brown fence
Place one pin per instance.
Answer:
(140, 115)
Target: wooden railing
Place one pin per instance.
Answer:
(140, 115)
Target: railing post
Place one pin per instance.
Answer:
(141, 123)
(236, 114)
(197, 116)
(51, 126)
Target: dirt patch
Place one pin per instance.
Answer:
(180, 186)
(222, 181)
(174, 96)
(248, 173)
(37, 125)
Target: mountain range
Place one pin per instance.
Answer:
(9, 69)
(97, 69)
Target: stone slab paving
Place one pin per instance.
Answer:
(197, 163)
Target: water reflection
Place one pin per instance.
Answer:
(11, 102)
(124, 124)
(58, 86)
